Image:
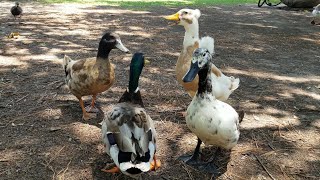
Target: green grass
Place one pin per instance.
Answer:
(148, 3)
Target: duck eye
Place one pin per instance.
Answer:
(204, 55)
(184, 12)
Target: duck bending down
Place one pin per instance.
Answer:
(214, 122)
(93, 75)
(128, 131)
(224, 85)
(316, 15)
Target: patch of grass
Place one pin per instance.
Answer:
(148, 3)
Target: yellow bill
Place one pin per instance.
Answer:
(173, 17)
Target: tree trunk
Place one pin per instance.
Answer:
(301, 3)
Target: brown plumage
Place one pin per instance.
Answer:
(223, 85)
(93, 75)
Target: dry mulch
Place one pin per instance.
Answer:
(274, 52)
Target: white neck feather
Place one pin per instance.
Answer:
(191, 35)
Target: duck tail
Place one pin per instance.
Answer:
(65, 63)
(207, 43)
(234, 83)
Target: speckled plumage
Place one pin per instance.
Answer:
(213, 121)
(128, 131)
(223, 85)
(92, 76)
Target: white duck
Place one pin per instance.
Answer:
(213, 121)
(224, 85)
(316, 15)
(128, 131)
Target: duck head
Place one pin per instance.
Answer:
(137, 63)
(201, 60)
(185, 17)
(17, 4)
(108, 42)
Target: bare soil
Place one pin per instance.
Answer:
(274, 52)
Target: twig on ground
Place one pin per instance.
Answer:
(64, 170)
(186, 169)
(59, 85)
(22, 98)
(264, 167)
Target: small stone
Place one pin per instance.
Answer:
(52, 129)
(254, 85)
(56, 117)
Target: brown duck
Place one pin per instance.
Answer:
(93, 75)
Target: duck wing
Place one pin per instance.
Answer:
(132, 130)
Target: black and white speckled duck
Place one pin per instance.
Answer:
(213, 121)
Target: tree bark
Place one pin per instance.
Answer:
(301, 3)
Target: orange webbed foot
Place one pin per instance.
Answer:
(111, 170)
(155, 164)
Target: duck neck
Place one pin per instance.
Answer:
(134, 78)
(205, 84)
(192, 34)
(103, 51)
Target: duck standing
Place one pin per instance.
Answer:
(128, 131)
(93, 75)
(188, 18)
(16, 10)
(213, 121)
(316, 15)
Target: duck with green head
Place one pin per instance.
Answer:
(128, 131)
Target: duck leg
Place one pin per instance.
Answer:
(209, 166)
(194, 161)
(155, 164)
(85, 115)
(92, 108)
(115, 169)
(194, 158)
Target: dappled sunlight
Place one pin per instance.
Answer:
(85, 133)
(273, 52)
(11, 61)
(51, 113)
(141, 33)
(305, 93)
(267, 75)
(256, 25)
(316, 41)
(12, 156)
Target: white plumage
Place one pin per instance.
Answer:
(213, 121)
(223, 85)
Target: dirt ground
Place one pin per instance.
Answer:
(274, 52)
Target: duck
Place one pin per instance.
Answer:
(92, 76)
(128, 131)
(16, 10)
(213, 121)
(188, 18)
(316, 14)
